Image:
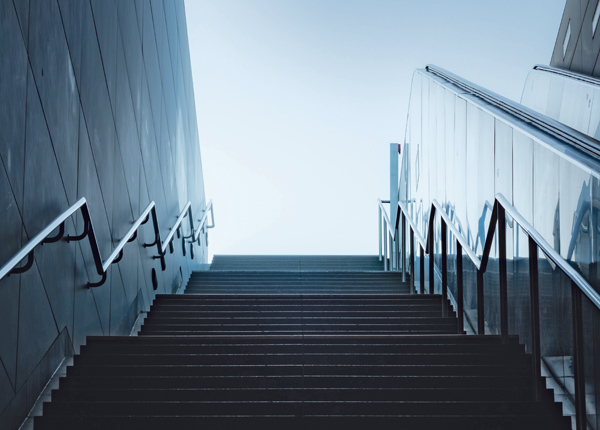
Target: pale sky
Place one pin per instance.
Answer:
(298, 100)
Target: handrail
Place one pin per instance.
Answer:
(130, 236)
(88, 231)
(209, 207)
(27, 250)
(187, 210)
(391, 231)
(567, 73)
(547, 124)
(547, 249)
(481, 264)
(579, 285)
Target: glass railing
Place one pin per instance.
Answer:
(464, 146)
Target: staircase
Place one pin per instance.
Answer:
(298, 349)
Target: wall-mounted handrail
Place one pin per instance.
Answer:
(187, 210)
(497, 225)
(27, 250)
(202, 225)
(88, 231)
(543, 122)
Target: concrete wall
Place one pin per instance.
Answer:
(96, 101)
(581, 51)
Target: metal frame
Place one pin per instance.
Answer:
(501, 209)
(27, 252)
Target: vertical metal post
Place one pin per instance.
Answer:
(503, 274)
(422, 270)
(444, 270)
(480, 308)
(403, 244)
(412, 261)
(534, 298)
(380, 233)
(385, 259)
(578, 363)
(394, 254)
(459, 287)
(431, 261)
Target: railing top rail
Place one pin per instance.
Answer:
(569, 74)
(88, 231)
(209, 207)
(130, 233)
(390, 230)
(501, 201)
(550, 252)
(416, 232)
(180, 218)
(547, 124)
(39, 238)
(458, 235)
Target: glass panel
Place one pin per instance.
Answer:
(470, 294)
(575, 240)
(556, 329)
(491, 293)
(591, 334)
(519, 305)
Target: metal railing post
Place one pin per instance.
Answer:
(393, 254)
(535, 319)
(444, 270)
(422, 270)
(385, 246)
(459, 287)
(578, 363)
(412, 261)
(480, 308)
(380, 232)
(431, 261)
(403, 244)
(503, 274)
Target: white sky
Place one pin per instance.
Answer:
(298, 100)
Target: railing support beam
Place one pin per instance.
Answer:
(444, 270)
(480, 304)
(535, 319)
(412, 261)
(503, 274)
(422, 272)
(459, 288)
(578, 363)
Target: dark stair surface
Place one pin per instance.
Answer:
(307, 263)
(299, 350)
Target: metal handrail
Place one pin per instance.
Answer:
(545, 123)
(88, 231)
(201, 226)
(567, 73)
(579, 285)
(187, 210)
(480, 264)
(391, 231)
(550, 252)
(41, 237)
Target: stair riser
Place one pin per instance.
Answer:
(404, 360)
(282, 394)
(299, 423)
(298, 349)
(291, 408)
(296, 382)
(261, 370)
